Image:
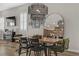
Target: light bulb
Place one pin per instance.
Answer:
(38, 10)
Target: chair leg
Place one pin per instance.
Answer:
(26, 52)
(37, 53)
(30, 52)
(19, 51)
(55, 53)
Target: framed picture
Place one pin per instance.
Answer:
(11, 21)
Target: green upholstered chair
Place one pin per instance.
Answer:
(60, 46)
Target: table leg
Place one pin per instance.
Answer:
(45, 49)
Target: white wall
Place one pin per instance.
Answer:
(15, 12)
(70, 12)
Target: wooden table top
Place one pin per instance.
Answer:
(49, 40)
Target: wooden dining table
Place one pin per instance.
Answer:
(49, 40)
(46, 41)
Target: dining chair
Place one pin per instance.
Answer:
(60, 46)
(23, 45)
(36, 46)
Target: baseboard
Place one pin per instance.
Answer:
(73, 51)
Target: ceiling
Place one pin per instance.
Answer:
(4, 6)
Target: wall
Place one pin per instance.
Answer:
(70, 12)
(15, 12)
(1, 30)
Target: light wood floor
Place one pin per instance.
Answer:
(9, 49)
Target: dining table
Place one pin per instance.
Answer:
(46, 42)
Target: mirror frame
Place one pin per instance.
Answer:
(56, 28)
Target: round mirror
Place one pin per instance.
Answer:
(54, 20)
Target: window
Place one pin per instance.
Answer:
(1, 23)
(23, 22)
